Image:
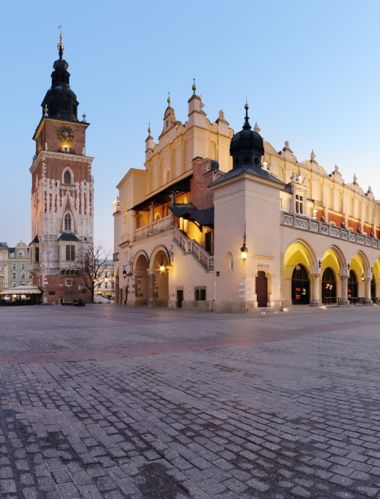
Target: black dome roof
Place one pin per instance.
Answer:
(247, 146)
(60, 101)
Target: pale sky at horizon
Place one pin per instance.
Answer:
(310, 71)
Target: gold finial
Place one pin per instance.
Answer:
(168, 100)
(149, 129)
(60, 45)
(193, 87)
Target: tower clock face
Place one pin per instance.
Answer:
(65, 134)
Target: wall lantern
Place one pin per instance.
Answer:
(244, 249)
(124, 272)
(162, 267)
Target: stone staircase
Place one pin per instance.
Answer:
(191, 247)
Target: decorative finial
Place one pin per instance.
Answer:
(246, 119)
(60, 45)
(257, 128)
(221, 115)
(84, 117)
(168, 100)
(355, 178)
(149, 129)
(193, 87)
(336, 169)
(286, 144)
(369, 189)
(46, 110)
(313, 156)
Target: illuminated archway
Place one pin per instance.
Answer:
(359, 266)
(334, 260)
(329, 286)
(300, 286)
(141, 265)
(375, 288)
(159, 270)
(299, 260)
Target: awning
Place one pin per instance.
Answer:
(190, 212)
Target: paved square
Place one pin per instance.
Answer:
(105, 401)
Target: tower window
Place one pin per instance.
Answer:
(70, 253)
(67, 222)
(37, 255)
(67, 177)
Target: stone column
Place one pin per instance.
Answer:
(367, 290)
(150, 288)
(344, 290)
(315, 289)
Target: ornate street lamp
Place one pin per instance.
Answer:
(244, 249)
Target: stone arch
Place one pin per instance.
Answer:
(298, 255)
(141, 277)
(159, 276)
(331, 289)
(360, 266)
(376, 280)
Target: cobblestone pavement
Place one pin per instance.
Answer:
(105, 401)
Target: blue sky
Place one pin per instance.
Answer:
(310, 71)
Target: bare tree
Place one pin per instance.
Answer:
(91, 265)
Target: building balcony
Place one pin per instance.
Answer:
(154, 228)
(325, 229)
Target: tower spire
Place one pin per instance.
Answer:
(60, 45)
(247, 125)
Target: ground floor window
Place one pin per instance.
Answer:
(200, 294)
(300, 286)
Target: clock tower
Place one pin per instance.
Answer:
(62, 193)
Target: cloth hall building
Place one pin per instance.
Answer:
(225, 222)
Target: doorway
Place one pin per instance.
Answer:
(300, 286)
(179, 298)
(262, 289)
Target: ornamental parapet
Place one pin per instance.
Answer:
(326, 229)
(154, 228)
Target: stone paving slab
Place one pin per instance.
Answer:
(112, 402)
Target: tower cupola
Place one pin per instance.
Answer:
(247, 146)
(60, 101)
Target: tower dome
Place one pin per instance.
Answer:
(60, 101)
(247, 146)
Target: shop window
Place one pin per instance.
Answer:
(200, 294)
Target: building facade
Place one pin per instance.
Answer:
(226, 222)
(14, 266)
(62, 192)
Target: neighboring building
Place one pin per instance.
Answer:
(105, 284)
(62, 192)
(226, 222)
(4, 273)
(18, 266)
(14, 266)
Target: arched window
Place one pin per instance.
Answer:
(67, 177)
(68, 222)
